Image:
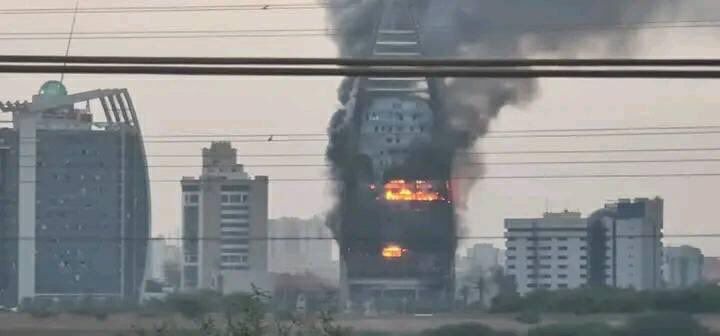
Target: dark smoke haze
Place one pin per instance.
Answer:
(490, 29)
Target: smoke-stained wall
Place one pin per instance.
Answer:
(462, 108)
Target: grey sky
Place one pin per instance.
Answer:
(281, 105)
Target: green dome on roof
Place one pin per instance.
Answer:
(53, 88)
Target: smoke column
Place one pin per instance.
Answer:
(484, 29)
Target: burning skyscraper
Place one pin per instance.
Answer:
(395, 222)
(399, 147)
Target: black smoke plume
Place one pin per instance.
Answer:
(483, 29)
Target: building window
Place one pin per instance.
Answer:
(511, 258)
(562, 276)
(531, 248)
(563, 248)
(583, 248)
(562, 257)
(563, 286)
(511, 267)
(532, 285)
(235, 199)
(562, 239)
(584, 276)
(562, 266)
(225, 198)
(512, 248)
(583, 257)
(546, 286)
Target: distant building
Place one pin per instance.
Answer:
(711, 270)
(683, 266)
(478, 266)
(624, 245)
(548, 252)
(298, 256)
(75, 190)
(161, 253)
(225, 222)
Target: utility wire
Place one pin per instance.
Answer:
(508, 163)
(528, 152)
(390, 62)
(165, 9)
(292, 238)
(386, 72)
(511, 131)
(309, 32)
(489, 178)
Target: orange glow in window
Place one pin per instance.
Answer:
(393, 252)
(401, 190)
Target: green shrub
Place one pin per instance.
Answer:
(529, 317)
(587, 329)
(665, 324)
(465, 329)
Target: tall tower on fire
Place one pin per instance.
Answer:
(397, 235)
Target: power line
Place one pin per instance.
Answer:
(164, 9)
(528, 152)
(281, 33)
(398, 62)
(515, 136)
(293, 238)
(496, 163)
(489, 178)
(364, 72)
(512, 131)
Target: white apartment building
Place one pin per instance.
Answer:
(547, 253)
(225, 215)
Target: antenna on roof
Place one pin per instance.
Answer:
(69, 42)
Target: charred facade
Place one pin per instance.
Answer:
(395, 221)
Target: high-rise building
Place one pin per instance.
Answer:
(624, 244)
(308, 248)
(397, 232)
(548, 252)
(683, 266)
(617, 246)
(162, 252)
(74, 198)
(225, 223)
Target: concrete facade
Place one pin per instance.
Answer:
(81, 192)
(625, 244)
(225, 215)
(302, 255)
(547, 253)
(682, 267)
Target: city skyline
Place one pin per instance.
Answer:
(561, 104)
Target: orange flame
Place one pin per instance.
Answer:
(393, 252)
(401, 190)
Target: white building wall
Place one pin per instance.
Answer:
(683, 266)
(547, 253)
(634, 248)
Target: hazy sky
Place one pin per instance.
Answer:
(177, 105)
